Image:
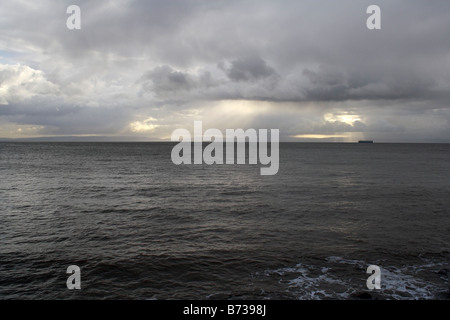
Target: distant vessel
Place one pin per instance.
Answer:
(365, 141)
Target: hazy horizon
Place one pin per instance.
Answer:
(112, 139)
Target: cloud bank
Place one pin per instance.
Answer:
(140, 69)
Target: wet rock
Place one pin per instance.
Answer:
(362, 295)
(443, 272)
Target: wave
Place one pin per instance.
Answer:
(340, 278)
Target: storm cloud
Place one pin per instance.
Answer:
(147, 67)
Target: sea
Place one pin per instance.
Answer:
(140, 227)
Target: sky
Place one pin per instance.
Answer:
(138, 70)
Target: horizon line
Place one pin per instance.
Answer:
(69, 140)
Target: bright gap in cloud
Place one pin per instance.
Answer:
(343, 116)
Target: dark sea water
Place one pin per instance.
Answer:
(140, 227)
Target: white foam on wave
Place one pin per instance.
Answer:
(312, 282)
(403, 282)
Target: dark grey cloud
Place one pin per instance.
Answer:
(246, 78)
(166, 79)
(54, 118)
(248, 69)
(134, 59)
(332, 85)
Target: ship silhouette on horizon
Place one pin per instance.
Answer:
(365, 141)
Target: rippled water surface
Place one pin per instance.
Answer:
(140, 227)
